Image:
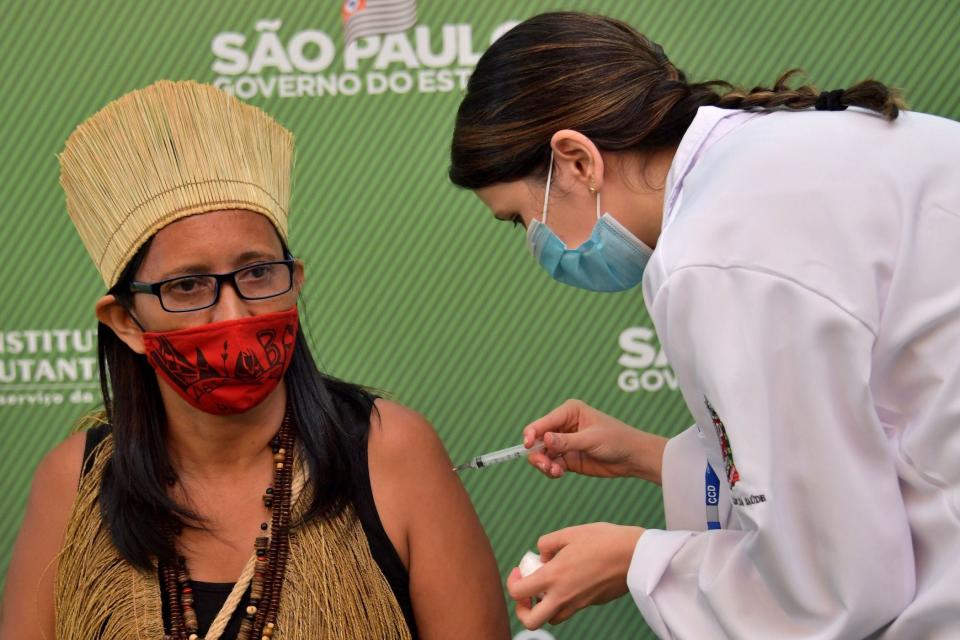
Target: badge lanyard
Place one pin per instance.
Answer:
(712, 497)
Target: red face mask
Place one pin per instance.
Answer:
(225, 367)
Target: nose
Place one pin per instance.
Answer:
(230, 306)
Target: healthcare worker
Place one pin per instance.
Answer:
(799, 260)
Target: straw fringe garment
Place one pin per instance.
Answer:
(333, 588)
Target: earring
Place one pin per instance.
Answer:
(592, 187)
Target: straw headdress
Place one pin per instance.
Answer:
(170, 150)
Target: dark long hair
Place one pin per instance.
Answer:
(602, 78)
(330, 416)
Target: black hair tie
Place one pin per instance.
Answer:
(830, 101)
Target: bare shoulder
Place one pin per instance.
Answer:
(60, 468)
(428, 515)
(408, 468)
(400, 436)
(30, 577)
(54, 487)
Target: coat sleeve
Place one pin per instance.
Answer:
(817, 543)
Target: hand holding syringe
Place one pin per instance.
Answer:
(503, 455)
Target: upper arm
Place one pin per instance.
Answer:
(28, 601)
(429, 517)
(778, 377)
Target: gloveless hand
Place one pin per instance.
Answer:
(580, 439)
(583, 565)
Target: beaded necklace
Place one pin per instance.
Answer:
(272, 548)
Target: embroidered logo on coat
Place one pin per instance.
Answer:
(733, 476)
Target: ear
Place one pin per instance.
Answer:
(299, 276)
(577, 158)
(111, 313)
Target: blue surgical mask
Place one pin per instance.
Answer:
(612, 259)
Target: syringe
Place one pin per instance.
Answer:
(503, 455)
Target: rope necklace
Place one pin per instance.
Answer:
(271, 548)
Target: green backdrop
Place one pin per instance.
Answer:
(412, 288)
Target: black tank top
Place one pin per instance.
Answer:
(208, 597)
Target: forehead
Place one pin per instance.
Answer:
(507, 197)
(218, 227)
(213, 239)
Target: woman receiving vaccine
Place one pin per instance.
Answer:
(797, 251)
(229, 489)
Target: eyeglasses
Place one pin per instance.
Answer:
(192, 293)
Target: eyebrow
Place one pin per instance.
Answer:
(253, 256)
(201, 268)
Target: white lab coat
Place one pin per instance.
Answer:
(806, 286)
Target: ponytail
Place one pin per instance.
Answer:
(868, 94)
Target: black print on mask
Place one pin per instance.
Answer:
(200, 378)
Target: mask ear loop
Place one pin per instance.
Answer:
(598, 204)
(127, 305)
(546, 193)
(137, 322)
